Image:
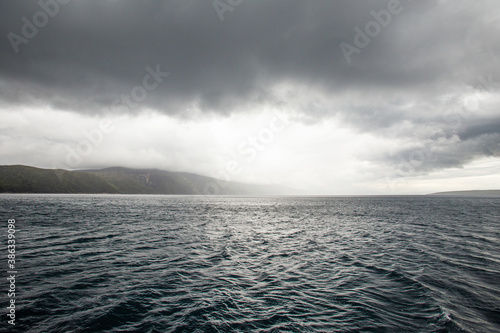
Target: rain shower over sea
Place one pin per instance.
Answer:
(126, 263)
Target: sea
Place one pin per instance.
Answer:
(146, 263)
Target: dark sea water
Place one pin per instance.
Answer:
(104, 263)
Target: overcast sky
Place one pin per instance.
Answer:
(329, 97)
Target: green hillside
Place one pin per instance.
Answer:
(25, 179)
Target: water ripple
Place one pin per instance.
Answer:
(278, 264)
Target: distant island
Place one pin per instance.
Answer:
(474, 193)
(118, 180)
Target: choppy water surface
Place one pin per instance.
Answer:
(96, 263)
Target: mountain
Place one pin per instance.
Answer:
(26, 179)
(473, 193)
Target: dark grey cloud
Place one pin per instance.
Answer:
(446, 153)
(91, 52)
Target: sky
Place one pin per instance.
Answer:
(328, 97)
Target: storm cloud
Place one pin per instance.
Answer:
(421, 74)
